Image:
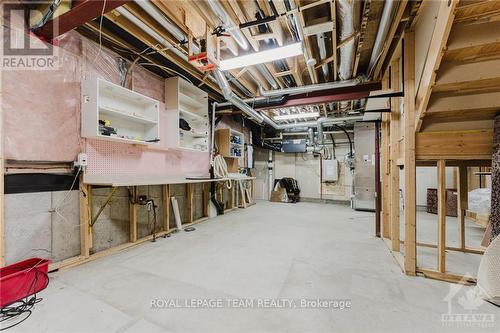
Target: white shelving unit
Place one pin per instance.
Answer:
(134, 117)
(187, 102)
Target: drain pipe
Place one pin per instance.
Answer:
(383, 29)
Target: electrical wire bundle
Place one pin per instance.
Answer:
(22, 308)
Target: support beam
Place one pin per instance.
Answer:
(133, 216)
(385, 163)
(441, 177)
(84, 219)
(394, 156)
(410, 203)
(82, 12)
(189, 196)
(454, 145)
(166, 207)
(437, 46)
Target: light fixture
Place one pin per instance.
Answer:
(297, 116)
(261, 57)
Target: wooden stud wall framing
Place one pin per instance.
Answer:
(85, 199)
(410, 262)
(394, 156)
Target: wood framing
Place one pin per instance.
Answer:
(133, 215)
(462, 204)
(385, 165)
(189, 197)
(471, 145)
(84, 219)
(409, 154)
(441, 177)
(439, 38)
(394, 156)
(166, 207)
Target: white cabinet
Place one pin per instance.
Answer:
(112, 112)
(187, 115)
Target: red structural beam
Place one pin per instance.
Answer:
(82, 12)
(333, 95)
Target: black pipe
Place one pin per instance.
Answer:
(348, 137)
(378, 191)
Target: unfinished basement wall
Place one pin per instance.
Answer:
(305, 168)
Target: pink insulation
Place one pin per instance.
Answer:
(42, 116)
(42, 110)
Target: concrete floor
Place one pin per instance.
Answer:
(270, 250)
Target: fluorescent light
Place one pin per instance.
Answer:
(297, 116)
(277, 53)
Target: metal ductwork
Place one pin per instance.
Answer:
(347, 29)
(383, 29)
(162, 19)
(309, 88)
(234, 99)
(132, 18)
(229, 24)
(315, 123)
(238, 37)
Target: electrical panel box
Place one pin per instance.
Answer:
(294, 146)
(330, 170)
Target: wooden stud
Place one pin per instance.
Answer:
(441, 177)
(385, 137)
(166, 207)
(394, 156)
(409, 155)
(190, 202)
(462, 204)
(133, 216)
(84, 219)
(206, 199)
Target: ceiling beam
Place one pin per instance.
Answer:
(82, 12)
(332, 95)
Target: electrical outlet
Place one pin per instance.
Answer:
(81, 160)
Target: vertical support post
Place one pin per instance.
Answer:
(462, 203)
(133, 216)
(206, 199)
(410, 262)
(384, 167)
(441, 173)
(190, 202)
(166, 207)
(394, 155)
(378, 191)
(84, 219)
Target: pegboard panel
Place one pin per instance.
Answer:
(114, 158)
